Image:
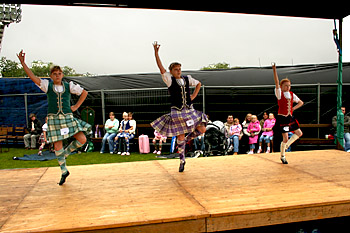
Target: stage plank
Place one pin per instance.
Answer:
(104, 196)
(14, 186)
(256, 190)
(213, 194)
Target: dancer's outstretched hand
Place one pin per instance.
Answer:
(21, 56)
(273, 64)
(156, 46)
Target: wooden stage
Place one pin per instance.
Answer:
(213, 194)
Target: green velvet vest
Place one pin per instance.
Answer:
(58, 102)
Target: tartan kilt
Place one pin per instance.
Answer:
(174, 123)
(287, 123)
(56, 123)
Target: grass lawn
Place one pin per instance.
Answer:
(6, 161)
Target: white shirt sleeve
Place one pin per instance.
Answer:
(278, 93)
(44, 128)
(295, 98)
(287, 95)
(167, 78)
(75, 88)
(193, 82)
(44, 85)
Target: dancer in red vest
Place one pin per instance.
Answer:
(285, 118)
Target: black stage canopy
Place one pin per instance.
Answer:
(326, 10)
(247, 76)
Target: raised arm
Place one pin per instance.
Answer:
(21, 57)
(159, 63)
(275, 76)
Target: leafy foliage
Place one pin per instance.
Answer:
(11, 68)
(220, 65)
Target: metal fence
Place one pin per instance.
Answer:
(216, 101)
(146, 104)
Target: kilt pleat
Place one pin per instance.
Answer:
(60, 127)
(179, 122)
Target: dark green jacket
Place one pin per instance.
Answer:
(58, 102)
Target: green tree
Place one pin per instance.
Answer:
(39, 68)
(11, 68)
(220, 65)
(68, 71)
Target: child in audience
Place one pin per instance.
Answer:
(235, 135)
(132, 129)
(253, 129)
(131, 132)
(43, 140)
(267, 134)
(158, 137)
(124, 132)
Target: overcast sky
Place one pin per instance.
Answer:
(119, 40)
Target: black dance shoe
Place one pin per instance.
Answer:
(182, 166)
(63, 178)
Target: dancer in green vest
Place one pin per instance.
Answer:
(61, 123)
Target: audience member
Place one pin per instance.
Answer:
(131, 132)
(132, 129)
(35, 129)
(262, 121)
(111, 127)
(245, 136)
(346, 129)
(267, 134)
(43, 140)
(158, 137)
(199, 143)
(228, 123)
(124, 132)
(253, 129)
(235, 136)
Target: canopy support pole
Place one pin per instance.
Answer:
(340, 115)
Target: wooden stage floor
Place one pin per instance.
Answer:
(213, 194)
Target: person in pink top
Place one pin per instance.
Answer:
(267, 134)
(235, 136)
(158, 137)
(254, 129)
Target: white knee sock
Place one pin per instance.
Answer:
(292, 139)
(283, 149)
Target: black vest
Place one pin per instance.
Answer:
(180, 96)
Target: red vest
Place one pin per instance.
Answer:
(285, 106)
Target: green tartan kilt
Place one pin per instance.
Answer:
(60, 127)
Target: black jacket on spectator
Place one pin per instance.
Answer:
(37, 126)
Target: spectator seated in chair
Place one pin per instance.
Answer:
(35, 129)
(111, 127)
